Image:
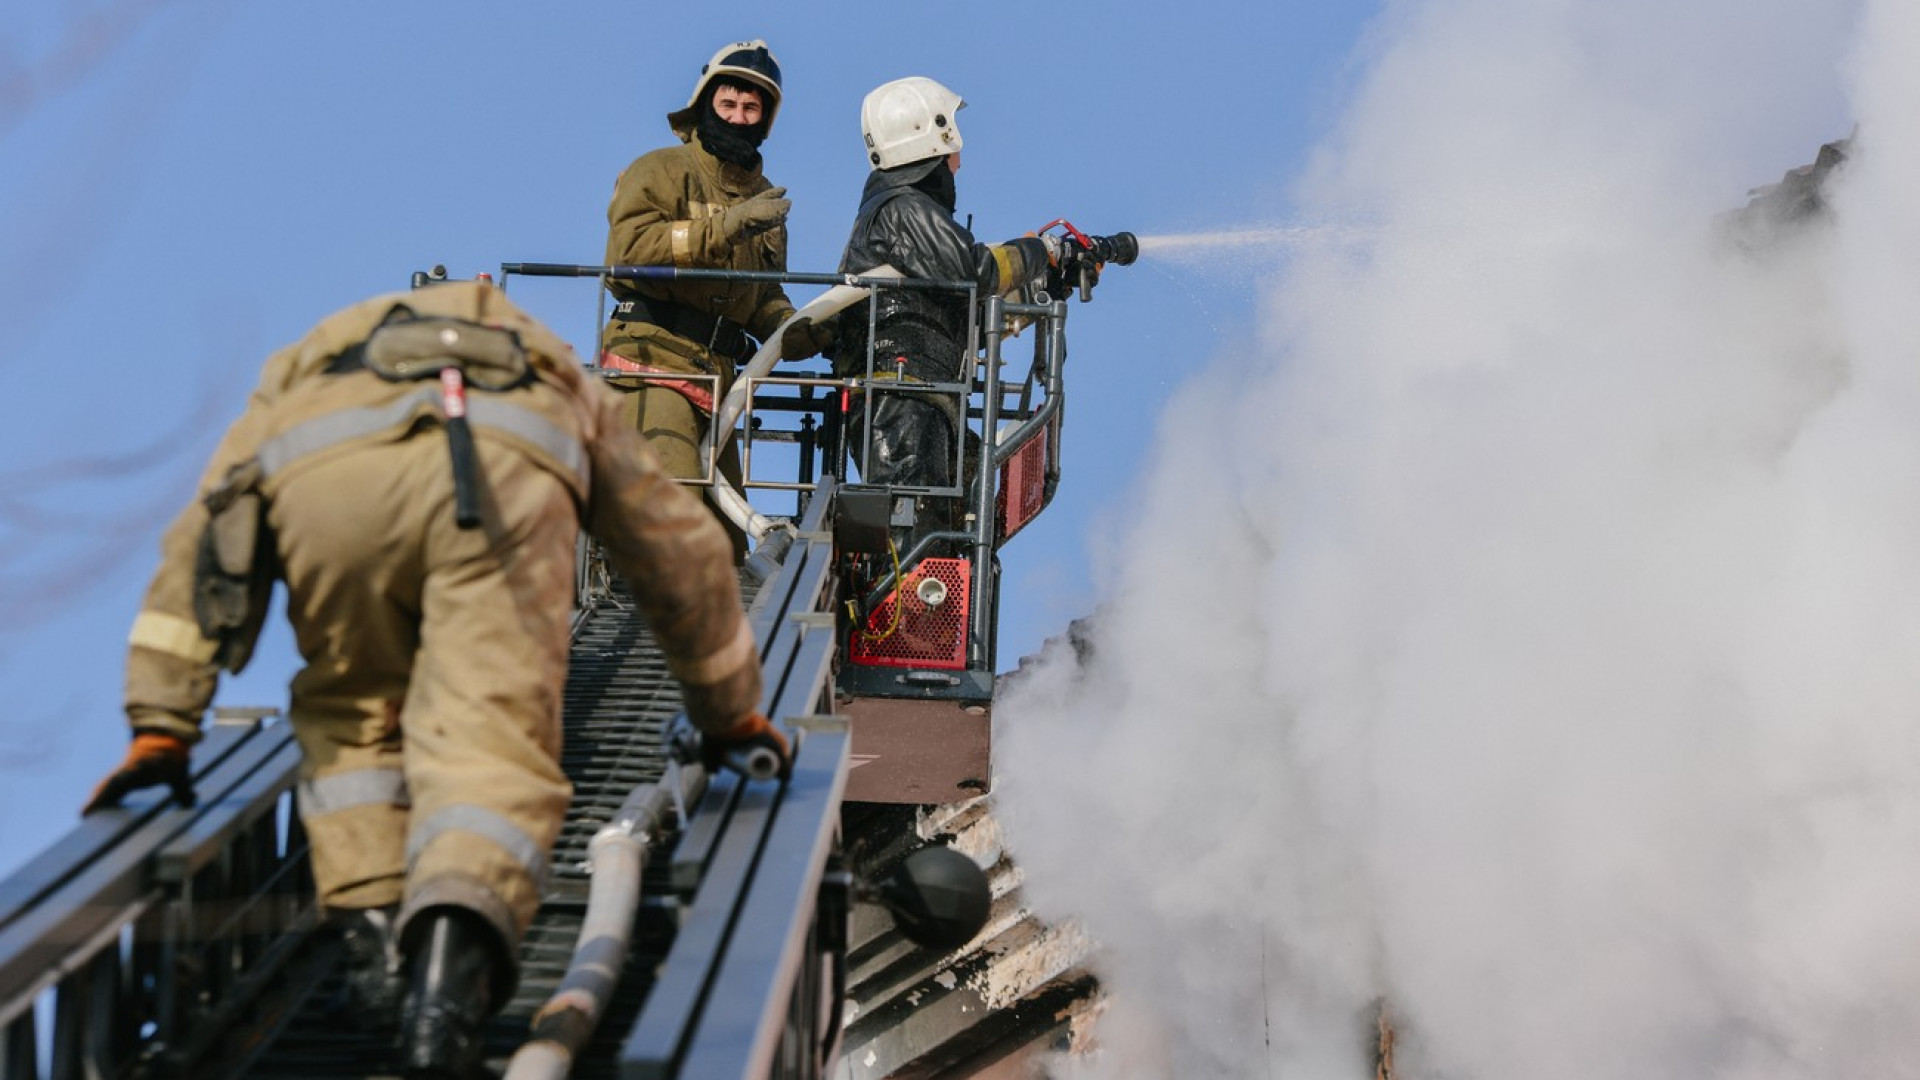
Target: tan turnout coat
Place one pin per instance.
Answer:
(428, 709)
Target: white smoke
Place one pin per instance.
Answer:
(1530, 638)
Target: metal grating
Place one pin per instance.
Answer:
(1023, 488)
(904, 631)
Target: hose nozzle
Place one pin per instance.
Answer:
(1121, 248)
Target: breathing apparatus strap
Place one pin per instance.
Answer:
(457, 353)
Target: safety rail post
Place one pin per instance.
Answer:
(980, 639)
(1054, 344)
(1053, 316)
(807, 440)
(866, 400)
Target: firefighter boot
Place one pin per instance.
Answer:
(452, 956)
(372, 982)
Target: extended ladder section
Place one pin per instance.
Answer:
(158, 941)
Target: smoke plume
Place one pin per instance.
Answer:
(1527, 642)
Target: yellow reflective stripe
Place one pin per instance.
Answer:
(341, 425)
(328, 430)
(682, 243)
(334, 792)
(1003, 256)
(564, 447)
(172, 635)
(481, 821)
(721, 662)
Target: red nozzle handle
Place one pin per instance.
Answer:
(1078, 236)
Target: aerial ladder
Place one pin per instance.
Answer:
(846, 922)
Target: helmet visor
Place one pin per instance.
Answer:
(756, 60)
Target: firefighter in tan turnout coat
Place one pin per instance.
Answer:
(703, 204)
(433, 623)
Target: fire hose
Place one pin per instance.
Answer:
(729, 499)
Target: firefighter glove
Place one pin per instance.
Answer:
(152, 760)
(1078, 266)
(753, 733)
(805, 338)
(756, 215)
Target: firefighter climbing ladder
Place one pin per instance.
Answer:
(173, 942)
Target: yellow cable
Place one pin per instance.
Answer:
(898, 600)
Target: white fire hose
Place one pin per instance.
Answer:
(724, 495)
(617, 855)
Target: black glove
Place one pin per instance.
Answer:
(152, 760)
(755, 732)
(1067, 261)
(1079, 267)
(756, 215)
(805, 338)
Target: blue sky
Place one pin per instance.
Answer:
(186, 186)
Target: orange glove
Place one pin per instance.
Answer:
(152, 760)
(755, 732)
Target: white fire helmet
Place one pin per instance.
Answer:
(910, 120)
(749, 61)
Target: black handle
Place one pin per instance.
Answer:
(623, 273)
(466, 473)
(538, 269)
(466, 469)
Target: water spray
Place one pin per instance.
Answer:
(1288, 236)
(1212, 250)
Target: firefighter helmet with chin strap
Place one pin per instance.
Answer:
(909, 120)
(750, 62)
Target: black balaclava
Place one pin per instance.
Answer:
(737, 144)
(939, 184)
